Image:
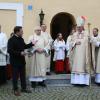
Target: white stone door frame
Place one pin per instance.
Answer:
(18, 7)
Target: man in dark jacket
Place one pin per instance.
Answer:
(16, 47)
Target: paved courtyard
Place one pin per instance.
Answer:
(53, 92)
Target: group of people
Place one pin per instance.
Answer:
(83, 54)
(15, 49)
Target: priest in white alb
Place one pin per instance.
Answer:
(81, 59)
(95, 40)
(37, 59)
(49, 41)
(69, 49)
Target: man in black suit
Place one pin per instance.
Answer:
(16, 47)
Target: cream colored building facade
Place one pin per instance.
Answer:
(59, 15)
(53, 9)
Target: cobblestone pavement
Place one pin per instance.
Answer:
(53, 93)
(58, 88)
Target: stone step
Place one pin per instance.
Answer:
(58, 76)
(58, 80)
(61, 80)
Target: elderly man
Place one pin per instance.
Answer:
(80, 67)
(38, 59)
(3, 53)
(49, 41)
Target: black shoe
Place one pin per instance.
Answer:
(42, 84)
(48, 73)
(80, 85)
(26, 91)
(98, 84)
(33, 84)
(17, 93)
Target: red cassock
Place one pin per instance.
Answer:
(59, 66)
(67, 65)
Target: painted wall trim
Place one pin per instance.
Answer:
(18, 7)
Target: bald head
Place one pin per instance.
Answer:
(37, 30)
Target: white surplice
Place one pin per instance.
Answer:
(69, 46)
(49, 41)
(3, 49)
(96, 56)
(37, 60)
(80, 66)
(59, 50)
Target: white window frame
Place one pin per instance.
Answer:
(18, 7)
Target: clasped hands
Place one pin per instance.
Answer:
(39, 50)
(78, 43)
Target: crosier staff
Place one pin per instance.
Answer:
(90, 52)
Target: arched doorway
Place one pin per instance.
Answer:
(63, 23)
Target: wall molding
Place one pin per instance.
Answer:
(18, 7)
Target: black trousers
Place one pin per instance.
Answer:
(2, 75)
(17, 72)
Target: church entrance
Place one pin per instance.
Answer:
(61, 23)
